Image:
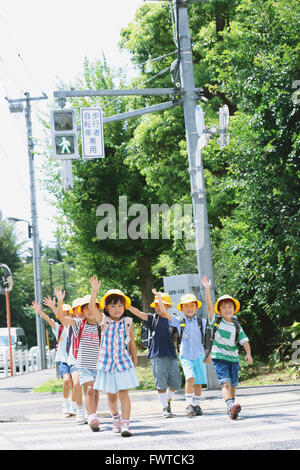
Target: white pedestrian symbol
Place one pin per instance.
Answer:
(65, 145)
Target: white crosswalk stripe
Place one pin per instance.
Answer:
(264, 428)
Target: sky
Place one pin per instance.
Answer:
(41, 43)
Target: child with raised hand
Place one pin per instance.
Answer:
(117, 360)
(162, 353)
(76, 407)
(61, 356)
(86, 352)
(224, 352)
(191, 353)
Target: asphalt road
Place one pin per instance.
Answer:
(269, 420)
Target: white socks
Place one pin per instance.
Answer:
(188, 399)
(163, 398)
(196, 400)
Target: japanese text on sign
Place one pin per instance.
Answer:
(92, 133)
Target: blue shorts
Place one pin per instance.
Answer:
(64, 368)
(194, 368)
(87, 375)
(227, 371)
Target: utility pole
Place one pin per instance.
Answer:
(16, 106)
(187, 95)
(202, 234)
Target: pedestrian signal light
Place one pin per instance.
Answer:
(64, 134)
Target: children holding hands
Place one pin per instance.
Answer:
(104, 351)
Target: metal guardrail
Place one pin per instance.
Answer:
(25, 362)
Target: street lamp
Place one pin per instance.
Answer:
(55, 261)
(14, 219)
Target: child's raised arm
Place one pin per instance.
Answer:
(38, 309)
(138, 313)
(51, 304)
(163, 311)
(209, 304)
(60, 295)
(95, 285)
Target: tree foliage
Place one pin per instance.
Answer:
(246, 55)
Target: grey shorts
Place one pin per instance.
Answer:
(166, 373)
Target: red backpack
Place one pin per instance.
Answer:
(61, 328)
(76, 341)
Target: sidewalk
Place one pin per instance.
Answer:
(146, 403)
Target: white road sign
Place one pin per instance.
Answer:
(92, 133)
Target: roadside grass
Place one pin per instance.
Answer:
(258, 373)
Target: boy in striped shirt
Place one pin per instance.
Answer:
(224, 353)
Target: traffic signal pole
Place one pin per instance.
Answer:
(187, 95)
(40, 326)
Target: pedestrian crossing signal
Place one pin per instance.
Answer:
(64, 134)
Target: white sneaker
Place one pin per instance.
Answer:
(80, 416)
(125, 428)
(72, 410)
(94, 423)
(65, 409)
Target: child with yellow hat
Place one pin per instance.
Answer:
(224, 353)
(162, 353)
(117, 356)
(61, 356)
(85, 349)
(192, 330)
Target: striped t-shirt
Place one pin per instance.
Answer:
(88, 351)
(224, 346)
(114, 355)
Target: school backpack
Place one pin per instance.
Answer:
(147, 333)
(101, 331)
(105, 324)
(60, 330)
(69, 339)
(204, 328)
(215, 328)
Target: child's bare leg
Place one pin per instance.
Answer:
(66, 385)
(90, 397)
(197, 390)
(112, 399)
(77, 390)
(125, 403)
(189, 385)
(227, 391)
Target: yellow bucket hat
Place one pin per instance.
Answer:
(75, 303)
(227, 297)
(186, 299)
(117, 292)
(165, 298)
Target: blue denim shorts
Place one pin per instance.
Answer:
(227, 371)
(64, 368)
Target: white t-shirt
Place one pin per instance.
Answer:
(61, 353)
